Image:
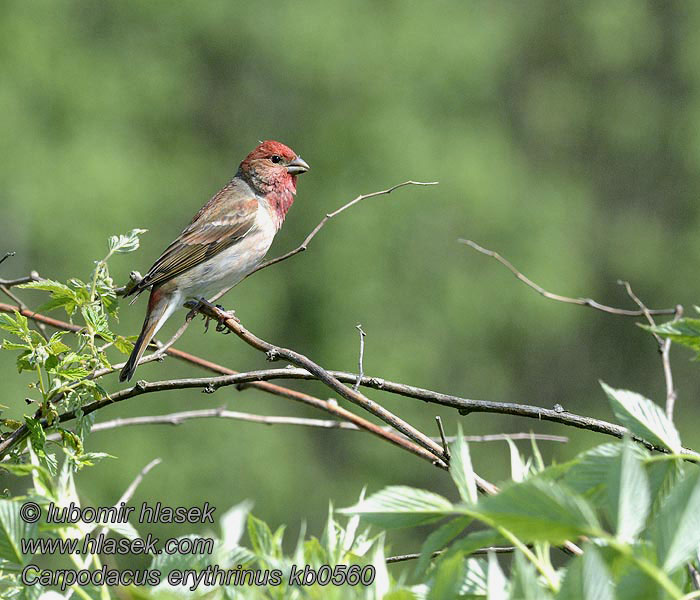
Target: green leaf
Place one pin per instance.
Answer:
(683, 331)
(18, 326)
(262, 538)
(628, 494)
(61, 294)
(519, 469)
(540, 510)
(125, 243)
(474, 579)
(587, 578)
(12, 530)
(401, 506)
(123, 345)
(37, 435)
(676, 530)
(233, 523)
(461, 469)
(448, 579)
(643, 418)
(525, 585)
(438, 539)
(495, 580)
(96, 319)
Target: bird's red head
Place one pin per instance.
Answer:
(271, 170)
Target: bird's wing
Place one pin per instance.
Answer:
(224, 220)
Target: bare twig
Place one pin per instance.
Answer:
(580, 301)
(305, 244)
(664, 347)
(480, 551)
(221, 413)
(33, 276)
(361, 369)
(7, 255)
(179, 418)
(443, 439)
(277, 352)
(129, 492)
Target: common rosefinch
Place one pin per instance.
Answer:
(225, 241)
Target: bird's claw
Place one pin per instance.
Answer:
(226, 314)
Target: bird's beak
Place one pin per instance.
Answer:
(297, 166)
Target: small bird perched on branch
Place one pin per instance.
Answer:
(225, 241)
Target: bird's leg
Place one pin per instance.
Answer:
(194, 306)
(227, 314)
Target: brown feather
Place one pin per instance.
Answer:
(220, 223)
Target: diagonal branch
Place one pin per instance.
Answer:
(551, 296)
(305, 244)
(276, 352)
(330, 407)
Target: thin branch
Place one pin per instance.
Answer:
(179, 418)
(360, 366)
(277, 352)
(129, 492)
(33, 276)
(305, 244)
(664, 347)
(480, 551)
(579, 301)
(443, 439)
(7, 255)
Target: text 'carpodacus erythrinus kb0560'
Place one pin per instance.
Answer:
(225, 241)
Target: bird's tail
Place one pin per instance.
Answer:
(160, 307)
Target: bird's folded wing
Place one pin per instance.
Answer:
(222, 222)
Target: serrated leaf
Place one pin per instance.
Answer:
(461, 469)
(18, 326)
(628, 494)
(496, 583)
(125, 243)
(684, 331)
(261, 537)
(123, 345)
(448, 579)
(438, 539)
(587, 578)
(643, 418)
(61, 295)
(12, 530)
(524, 582)
(401, 506)
(519, 469)
(233, 524)
(540, 510)
(676, 530)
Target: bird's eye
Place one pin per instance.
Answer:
(276, 158)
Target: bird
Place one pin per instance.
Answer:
(224, 242)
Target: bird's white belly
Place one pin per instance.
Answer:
(232, 264)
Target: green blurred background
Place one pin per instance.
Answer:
(563, 134)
